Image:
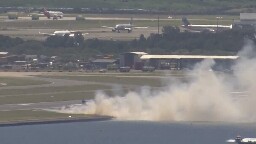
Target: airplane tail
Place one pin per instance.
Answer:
(131, 22)
(185, 21)
(46, 13)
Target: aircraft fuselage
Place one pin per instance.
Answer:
(122, 27)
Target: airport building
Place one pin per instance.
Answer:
(186, 61)
(131, 59)
(247, 21)
(138, 60)
(3, 57)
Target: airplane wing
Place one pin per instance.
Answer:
(83, 33)
(47, 34)
(213, 26)
(248, 140)
(72, 33)
(107, 27)
(141, 27)
(231, 141)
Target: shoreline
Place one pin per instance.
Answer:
(54, 121)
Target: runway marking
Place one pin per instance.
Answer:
(3, 84)
(239, 92)
(24, 104)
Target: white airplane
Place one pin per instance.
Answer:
(240, 140)
(63, 33)
(123, 27)
(53, 14)
(200, 28)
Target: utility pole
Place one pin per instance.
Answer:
(158, 25)
(158, 32)
(217, 19)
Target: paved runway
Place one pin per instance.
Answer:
(26, 28)
(137, 18)
(38, 106)
(5, 18)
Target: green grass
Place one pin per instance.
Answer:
(128, 81)
(32, 115)
(168, 5)
(11, 81)
(155, 79)
(140, 81)
(50, 94)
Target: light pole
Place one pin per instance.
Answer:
(217, 19)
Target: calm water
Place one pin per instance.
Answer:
(123, 132)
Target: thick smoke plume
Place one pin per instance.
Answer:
(209, 96)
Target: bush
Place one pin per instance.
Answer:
(35, 17)
(12, 16)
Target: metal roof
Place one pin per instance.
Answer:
(3, 53)
(138, 53)
(104, 61)
(247, 16)
(145, 57)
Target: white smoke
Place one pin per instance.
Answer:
(209, 96)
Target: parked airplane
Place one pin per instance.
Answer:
(63, 33)
(240, 140)
(123, 27)
(200, 28)
(53, 14)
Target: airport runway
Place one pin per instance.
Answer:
(29, 29)
(100, 17)
(5, 18)
(38, 106)
(99, 33)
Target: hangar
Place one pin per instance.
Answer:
(131, 59)
(136, 60)
(247, 21)
(184, 61)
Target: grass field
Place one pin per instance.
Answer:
(167, 5)
(14, 81)
(122, 80)
(106, 82)
(32, 115)
(50, 94)
(110, 83)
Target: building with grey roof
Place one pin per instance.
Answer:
(103, 63)
(247, 21)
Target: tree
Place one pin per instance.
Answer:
(170, 31)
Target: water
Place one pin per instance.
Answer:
(125, 132)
